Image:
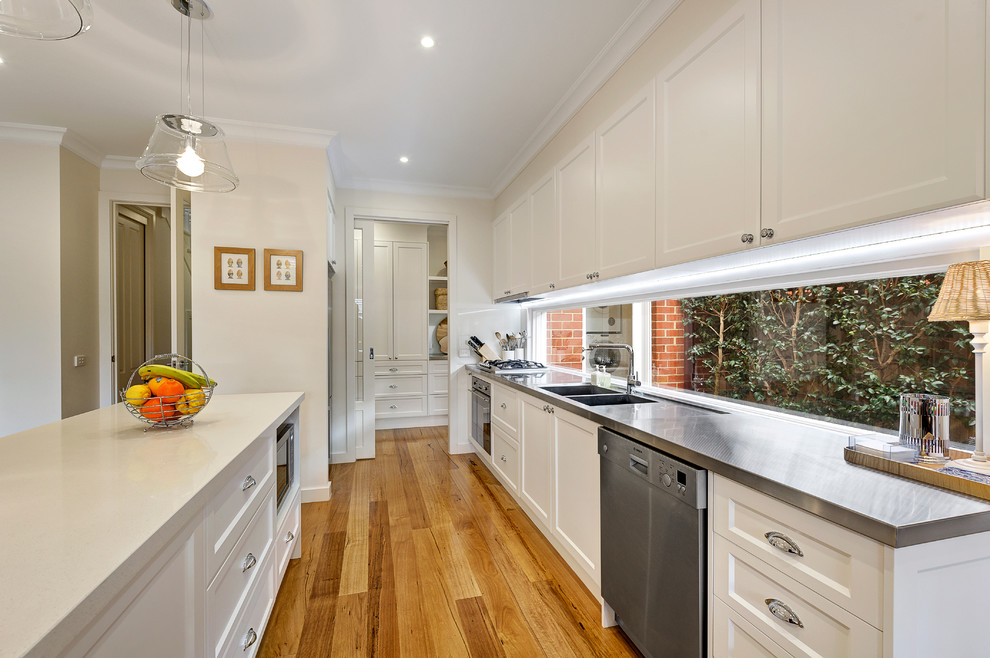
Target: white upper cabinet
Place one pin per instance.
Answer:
(545, 235)
(502, 246)
(410, 273)
(871, 110)
(708, 142)
(520, 227)
(626, 189)
(576, 215)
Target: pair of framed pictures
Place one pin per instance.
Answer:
(233, 269)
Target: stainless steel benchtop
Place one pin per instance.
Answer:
(800, 464)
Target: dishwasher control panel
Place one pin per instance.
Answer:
(666, 472)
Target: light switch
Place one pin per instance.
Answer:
(79, 360)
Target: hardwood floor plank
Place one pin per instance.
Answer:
(318, 629)
(439, 601)
(350, 632)
(382, 623)
(354, 572)
(418, 518)
(477, 623)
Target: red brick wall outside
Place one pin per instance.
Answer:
(565, 338)
(668, 343)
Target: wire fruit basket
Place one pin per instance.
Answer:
(168, 390)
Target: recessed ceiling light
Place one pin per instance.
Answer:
(403, 159)
(1, 60)
(427, 42)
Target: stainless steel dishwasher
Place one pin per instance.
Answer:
(654, 551)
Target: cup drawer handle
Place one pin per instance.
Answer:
(783, 612)
(781, 541)
(250, 638)
(249, 562)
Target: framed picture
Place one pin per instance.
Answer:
(233, 268)
(283, 270)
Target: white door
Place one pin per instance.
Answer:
(501, 246)
(362, 321)
(381, 331)
(871, 110)
(410, 306)
(536, 484)
(543, 256)
(521, 237)
(626, 189)
(577, 254)
(708, 153)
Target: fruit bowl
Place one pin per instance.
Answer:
(167, 390)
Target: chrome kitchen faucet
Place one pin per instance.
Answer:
(633, 379)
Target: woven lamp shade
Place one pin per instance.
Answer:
(965, 293)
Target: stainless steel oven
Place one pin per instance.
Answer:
(481, 413)
(285, 449)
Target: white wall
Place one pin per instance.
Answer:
(30, 349)
(470, 291)
(80, 322)
(263, 341)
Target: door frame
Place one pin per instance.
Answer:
(408, 217)
(108, 202)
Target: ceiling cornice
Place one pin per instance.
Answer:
(118, 162)
(82, 148)
(31, 134)
(637, 28)
(249, 131)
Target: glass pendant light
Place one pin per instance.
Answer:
(187, 151)
(48, 20)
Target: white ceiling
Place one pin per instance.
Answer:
(469, 113)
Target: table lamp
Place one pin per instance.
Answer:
(965, 295)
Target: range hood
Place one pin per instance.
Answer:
(517, 298)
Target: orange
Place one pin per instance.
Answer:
(157, 411)
(170, 391)
(156, 382)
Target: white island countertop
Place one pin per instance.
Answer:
(86, 501)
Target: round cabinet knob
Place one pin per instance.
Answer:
(766, 233)
(747, 238)
(552, 286)
(604, 447)
(393, 386)
(503, 458)
(393, 406)
(665, 479)
(503, 406)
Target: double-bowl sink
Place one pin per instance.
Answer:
(598, 396)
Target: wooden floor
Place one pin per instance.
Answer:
(422, 553)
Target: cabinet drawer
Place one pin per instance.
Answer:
(841, 565)
(399, 407)
(438, 405)
(505, 457)
(245, 634)
(400, 367)
(439, 366)
(405, 385)
(438, 382)
(505, 408)
(734, 637)
(235, 504)
(228, 593)
(287, 537)
(749, 585)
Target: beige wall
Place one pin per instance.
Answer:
(470, 290)
(679, 30)
(80, 322)
(263, 341)
(30, 352)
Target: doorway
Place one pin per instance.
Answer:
(142, 288)
(398, 327)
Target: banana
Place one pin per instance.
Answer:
(186, 378)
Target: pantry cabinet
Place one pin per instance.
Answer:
(871, 110)
(401, 301)
(708, 151)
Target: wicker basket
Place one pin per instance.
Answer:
(441, 298)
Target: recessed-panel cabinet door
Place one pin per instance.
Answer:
(537, 458)
(708, 142)
(521, 220)
(577, 489)
(576, 214)
(409, 300)
(381, 329)
(871, 110)
(544, 254)
(626, 189)
(501, 245)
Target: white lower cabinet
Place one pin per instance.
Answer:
(577, 489)
(558, 479)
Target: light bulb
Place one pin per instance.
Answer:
(190, 163)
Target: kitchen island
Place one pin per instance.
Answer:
(807, 555)
(93, 505)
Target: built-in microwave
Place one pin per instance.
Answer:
(285, 440)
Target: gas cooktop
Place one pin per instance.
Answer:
(512, 366)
